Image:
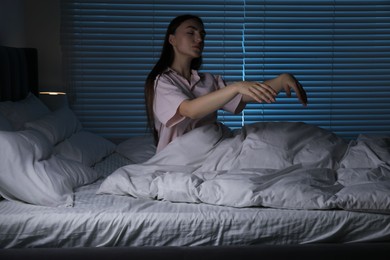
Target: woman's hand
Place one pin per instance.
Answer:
(267, 91)
(287, 82)
(255, 91)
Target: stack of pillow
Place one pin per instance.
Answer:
(46, 154)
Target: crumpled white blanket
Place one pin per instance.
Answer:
(284, 165)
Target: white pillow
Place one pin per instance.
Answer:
(30, 173)
(5, 125)
(367, 152)
(20, 112)
(365, 197)
(138, 149)
(57, 125)
(85, 147)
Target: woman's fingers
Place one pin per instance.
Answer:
(268, 93)
(293, 83)
(262, 92)
(267, 88)
(301, 93)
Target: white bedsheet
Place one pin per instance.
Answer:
(273, 164)
(105, 220)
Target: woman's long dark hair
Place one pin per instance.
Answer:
(166, 60)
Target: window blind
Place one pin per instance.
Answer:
(339, 50)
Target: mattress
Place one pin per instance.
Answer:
(117, 221)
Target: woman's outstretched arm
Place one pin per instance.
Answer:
(284, 82)
(209, 103)
(251, 92)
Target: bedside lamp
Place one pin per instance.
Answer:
(53, 99)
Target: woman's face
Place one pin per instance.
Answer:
(188, 40)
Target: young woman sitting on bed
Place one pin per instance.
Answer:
(179, 98)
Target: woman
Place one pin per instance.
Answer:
(179, 99)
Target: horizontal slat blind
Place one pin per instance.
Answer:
(339, 50)
(112, 45)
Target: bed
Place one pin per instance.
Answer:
(86, 197)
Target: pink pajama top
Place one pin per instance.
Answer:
(171, 89)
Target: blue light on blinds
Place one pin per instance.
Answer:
(243, 59)
(338, 49)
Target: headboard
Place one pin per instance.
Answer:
(18, 73)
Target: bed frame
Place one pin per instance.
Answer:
(19, 75)
(312, 251)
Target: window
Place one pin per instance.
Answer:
(339, 50)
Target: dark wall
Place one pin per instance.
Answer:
(27, 23)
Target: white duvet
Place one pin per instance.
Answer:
(273, 164)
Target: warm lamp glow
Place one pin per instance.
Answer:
(53, 93)
(54, 99)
